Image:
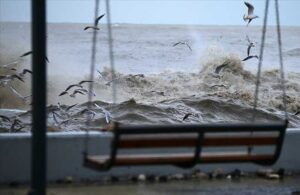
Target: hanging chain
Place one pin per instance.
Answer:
(261, 53)
(262, 46)
(111, 52)
(282, 77)
(92, 70)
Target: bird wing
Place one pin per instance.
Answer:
(248, 39)
(70, 86)
(186, 116)
(248, 50)
(63, 93)
(188, 46)
(47, 60)
(26, 54)
(16, 92)
(77, 91)
(219, 68)
(26, 70)
(93, 27)
(83, 90)
(5, 118)
(9, 64)
(175, 44)
(98, 19)
(17, 77)
(247, 58)
(70, 107)
(54, 117)
(81, 82)
(250, 8)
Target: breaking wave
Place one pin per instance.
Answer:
(168, 96)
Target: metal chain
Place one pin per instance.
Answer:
(111, 52)
(258, 75)
(91, 84)
(262, 46)
(281, 60)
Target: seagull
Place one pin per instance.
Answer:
(249, 57)
(251, 44)
(250, 15)
(29, 53)
(95, 27)
(77, 85)
(24, 98)
(106, 113)
(182, 43)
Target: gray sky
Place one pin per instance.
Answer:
(205, 12)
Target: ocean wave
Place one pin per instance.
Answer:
(210, 97)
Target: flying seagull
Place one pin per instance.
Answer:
(106, 113)
(77, 85)
(95, 27)
(182, 43)
(29, 53)
(250, 45)
(24, 98)
(249, 57)
(73, 94)
(250, 15)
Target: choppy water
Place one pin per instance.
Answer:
(155, 82)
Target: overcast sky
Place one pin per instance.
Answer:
(205, 12)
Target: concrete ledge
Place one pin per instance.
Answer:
(65, 157)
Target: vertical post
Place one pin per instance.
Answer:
(38, 144)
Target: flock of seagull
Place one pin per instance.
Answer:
(247, 18)
(62, 115)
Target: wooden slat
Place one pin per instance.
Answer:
(157, 159)
(190, 141)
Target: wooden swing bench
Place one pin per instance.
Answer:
(205, 140)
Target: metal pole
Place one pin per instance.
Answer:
(38, 155)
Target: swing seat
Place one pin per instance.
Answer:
(203, 143)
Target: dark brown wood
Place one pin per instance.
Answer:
(219, 137)
(160, 159)
(190, 141)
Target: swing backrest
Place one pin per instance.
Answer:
(188, 145)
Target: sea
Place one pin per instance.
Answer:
(153, 81)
